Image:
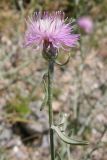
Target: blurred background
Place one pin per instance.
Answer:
(80, 87)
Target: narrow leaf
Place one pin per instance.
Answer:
(46, 93)
(43, 103)
(58, 155)
(68, 140)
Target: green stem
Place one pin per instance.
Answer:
(50, 95)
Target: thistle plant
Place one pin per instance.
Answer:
(86, 24)
(49, 32)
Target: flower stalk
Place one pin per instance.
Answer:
(50, 95)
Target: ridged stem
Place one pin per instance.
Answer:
(50, 95)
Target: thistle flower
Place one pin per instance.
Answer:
(86, 24)
(49, 30)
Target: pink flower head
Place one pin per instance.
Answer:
(86, 24)
(49, 29)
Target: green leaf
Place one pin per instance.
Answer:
(44, 103)
(66, 139)
(19, 105)
(58, 155)
(62, 64)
